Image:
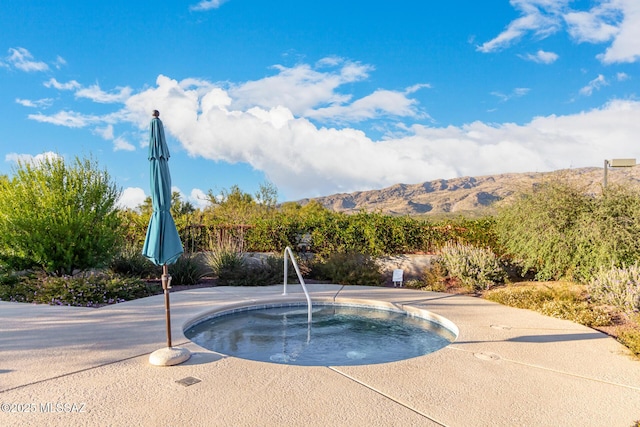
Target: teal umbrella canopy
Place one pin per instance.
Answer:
(162, 244)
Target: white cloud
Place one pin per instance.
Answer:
(304, 160)
(516, 93)
(198, 198)
(105, 132)
(131, 198)
(29, 158)
(37, 103)
(207, 5)
(625, 46)
(60, 62)
(300, 88)
(69, 119)
(121, 144)
(617, 21)
(594, 84)
(70, 85)
(597, 25)
(272, 132)
(540, 17)
(622, 77)
(22, 59)
(379, 103)
(541, 57)
(94, 93)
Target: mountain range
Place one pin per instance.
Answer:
(469, 196)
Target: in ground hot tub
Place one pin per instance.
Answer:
(339, 334)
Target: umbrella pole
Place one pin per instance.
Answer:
(165, 287)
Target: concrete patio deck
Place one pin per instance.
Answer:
(67, 366)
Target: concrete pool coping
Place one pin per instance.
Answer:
(76, 366)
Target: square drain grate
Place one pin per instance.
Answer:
(188, 381)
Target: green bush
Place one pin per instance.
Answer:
(434, 278)
(227, 263)
(619, 287)
(83, 291)
(130, 262)
(234, 268)
(539, 228)
(187, 270)
(560, 230)
(476, 268)
(349, 269)
(58, 217)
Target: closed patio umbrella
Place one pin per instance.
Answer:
(162, 244)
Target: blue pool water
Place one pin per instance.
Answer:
(338, 335)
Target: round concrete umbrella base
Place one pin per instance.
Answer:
(169, 356)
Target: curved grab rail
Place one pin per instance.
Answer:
(287, 250)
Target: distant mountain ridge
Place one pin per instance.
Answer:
(465, 195)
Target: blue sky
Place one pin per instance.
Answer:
(320, 97)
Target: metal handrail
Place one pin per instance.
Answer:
(286, 273)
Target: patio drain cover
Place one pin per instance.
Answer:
(188, 381)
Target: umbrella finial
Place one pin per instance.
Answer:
(155, 113)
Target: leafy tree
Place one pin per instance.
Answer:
(559, 230)
(58, 216)
(539, 228)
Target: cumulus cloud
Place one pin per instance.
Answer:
(121, 144)
(22, 59)
(615, 21)
(288, 139)
(625, 46)
(304, 160)
(380, 103)
(300, 88)
(131, 198)
(29, 158)
(541, 57)
(597, 25)
(198, 198)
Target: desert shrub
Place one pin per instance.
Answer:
(58, 216)
(539, 228)
(562, 302)
(226, 262)
(267, 271)
(83, 291)
(434, 278)
(576, 311)
(560, 230)
(130, 262)
(619, 287)
(348, 269)
(527, 297)
(608, 234)
(631, 339)
(476, 268)
(234, 268)
(187, 270)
